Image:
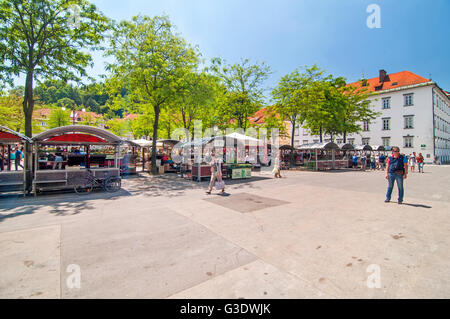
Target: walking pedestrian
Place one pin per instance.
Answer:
(355, 160)
(396, 171)
(382, 160)
(216, 173)
(420, 163)
(276, 168)
(412, 162)
(18, 158)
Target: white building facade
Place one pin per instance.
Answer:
(415, 117)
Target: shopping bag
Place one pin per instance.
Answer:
(220, 185)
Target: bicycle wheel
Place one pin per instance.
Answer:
(112, 184)
(84, 189)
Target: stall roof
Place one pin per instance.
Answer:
(197, 142)
(242, 137)
(363, 148)
(285, 147)
(9, 136)
(346, 146)
(167, 141)
(319, 146)
(63, 135)
(141, 142)
(378, 148)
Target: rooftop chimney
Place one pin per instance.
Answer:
(383, 75)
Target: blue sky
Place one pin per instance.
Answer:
(290, 33)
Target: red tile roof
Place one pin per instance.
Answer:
(260, 116)
(392, 81)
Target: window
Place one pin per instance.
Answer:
(305, 142)
(296, 131)
(365, 141)
(339, 141)
(327, 140)
(386, 141)
(409, 121)
(408, 141)
(408, 99)
(386, 103)
(316, 141)
(305, 132)
(386, 124)
(351, 141)
(43, 124)
(366, 126)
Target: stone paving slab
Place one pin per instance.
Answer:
(30, 263)
(256, 280)
(149, 254)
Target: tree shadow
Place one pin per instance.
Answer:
(60, 203)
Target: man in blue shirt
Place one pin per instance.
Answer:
(355, 160)
(396, 171)
(18, 158)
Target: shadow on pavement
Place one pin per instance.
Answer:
(61, 203)
(417, 205)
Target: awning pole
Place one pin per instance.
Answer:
(317, 168)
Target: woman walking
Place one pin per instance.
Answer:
(216, 173)
(276, 167)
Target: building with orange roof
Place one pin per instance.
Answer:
(415, 115)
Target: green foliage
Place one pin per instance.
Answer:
(39, 39)
(11, 114)
(118, 127)
(151, 62)
(297, 94)
(243, 94)
(59, 117)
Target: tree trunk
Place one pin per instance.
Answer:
(28, 105)
(345, 137)
(155, 137)
(291, 159)
(320, 131)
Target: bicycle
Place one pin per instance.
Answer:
(111, 184)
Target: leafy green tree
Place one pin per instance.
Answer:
(118, 126)
(296, 95)
(43, 38)
(11, 114)
(357, 110)
(244, 90)
(151, 61)
(66, 102)
(142, 126)
(59, 117)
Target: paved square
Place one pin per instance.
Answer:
(245, 202)
(307, 235)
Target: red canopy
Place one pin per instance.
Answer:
(77, 137)
(9, 136)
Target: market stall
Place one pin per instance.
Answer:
(129, 155)
(63, 156)
(344, 155)
(12, 158)
(233, 167)
(286, 153)
(164, 151)
(320, 156)
(145, 150)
